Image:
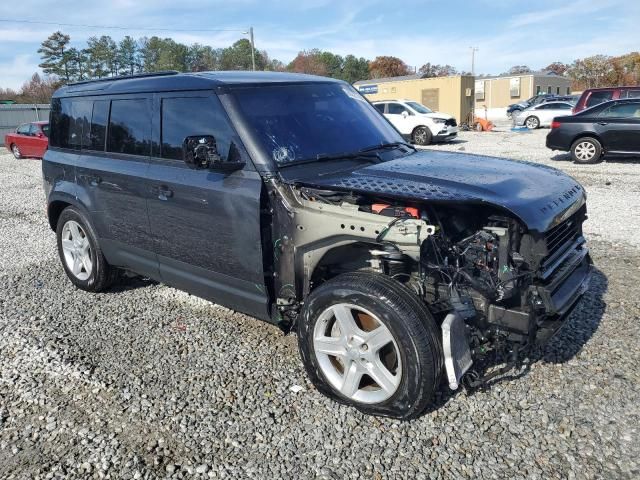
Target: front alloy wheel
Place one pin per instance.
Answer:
(368, 341)
(357, 353)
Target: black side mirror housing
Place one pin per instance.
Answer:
(201, 151)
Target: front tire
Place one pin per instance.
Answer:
(367, 341)
(16, 151)
(422, 136)
(586, 150)
(532, 123)
(80, 252)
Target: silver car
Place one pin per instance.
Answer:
(542, 115)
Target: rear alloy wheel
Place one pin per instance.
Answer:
(532, 123)
(586, 150)
(16, 151)
(80, 252)
(367, 341)
(422, 136)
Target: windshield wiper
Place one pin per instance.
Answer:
(384, 146)
(370, 156)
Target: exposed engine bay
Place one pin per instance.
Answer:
(479, 271)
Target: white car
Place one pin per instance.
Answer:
(542, 115)
(418, 123)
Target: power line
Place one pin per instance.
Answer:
(115, 27)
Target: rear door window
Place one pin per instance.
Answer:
(380, 107)
(597, 98)
(130, 127)
(630, 94)
(23, 129)
(99, 120)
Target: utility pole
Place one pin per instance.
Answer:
(473, 60)
(473, 74)
(253, 50)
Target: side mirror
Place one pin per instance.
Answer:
(405, 114)
(39, 134)
(201, 151)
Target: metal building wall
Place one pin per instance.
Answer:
(13, 115)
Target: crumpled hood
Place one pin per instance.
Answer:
(539, 195)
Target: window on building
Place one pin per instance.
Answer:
(538, 89)
(549, 89)
(189, 116)
(568, 90)
(557, 90)
(130, 127)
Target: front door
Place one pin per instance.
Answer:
(400, 117)
(206, 224)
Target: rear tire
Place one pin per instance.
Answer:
(586, 150)
(532, 122)
(394, 373)
(422, 136)
(16, 151)
(80, 252)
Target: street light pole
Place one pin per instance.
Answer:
(473, 60)
(473, 74)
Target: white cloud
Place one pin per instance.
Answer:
(18, 70)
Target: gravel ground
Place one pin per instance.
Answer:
(149, 382)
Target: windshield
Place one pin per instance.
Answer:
(418, 107)
(294, 123)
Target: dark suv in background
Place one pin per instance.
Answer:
(291, 198)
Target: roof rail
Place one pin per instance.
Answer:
(125, 77)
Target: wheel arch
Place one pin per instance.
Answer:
(588, 134)
(56, 206)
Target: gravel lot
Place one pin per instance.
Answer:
(149, 382)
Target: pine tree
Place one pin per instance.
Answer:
(54, 55)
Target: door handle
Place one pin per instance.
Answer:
(164, 193)
(94, 181)
(603, 123)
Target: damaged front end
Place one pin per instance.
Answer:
(490, 282)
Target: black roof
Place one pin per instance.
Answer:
(172, 80)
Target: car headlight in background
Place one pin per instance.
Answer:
(439, 120)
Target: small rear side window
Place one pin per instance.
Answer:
(597, 98)
(70, 120)
(130, 127)
(630, 94)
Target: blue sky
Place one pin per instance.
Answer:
(507, 33)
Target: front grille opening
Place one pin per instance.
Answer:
(562, 236)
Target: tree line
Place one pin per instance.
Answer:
(102, 56)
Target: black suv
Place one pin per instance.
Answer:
(290, 198)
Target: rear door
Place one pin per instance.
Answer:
(206, 224)
(114, 136)
(620, 124)
(38, 140)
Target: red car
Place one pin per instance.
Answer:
(595, 96)
(29, 140)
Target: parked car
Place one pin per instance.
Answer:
(29, 140)
(417, 123)
(594, 96)
(516, 108)
(608, 128)
(542, 114)
(292, 199)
